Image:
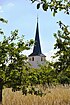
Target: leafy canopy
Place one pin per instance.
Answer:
(12, 59)
(63, 46)
(54, 5)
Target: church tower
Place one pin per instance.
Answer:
(37, 57)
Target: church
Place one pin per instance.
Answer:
(37, 58)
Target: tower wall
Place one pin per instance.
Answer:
(35, 61)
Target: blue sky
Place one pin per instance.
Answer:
(22, 15)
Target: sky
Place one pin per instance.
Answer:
(22, 15)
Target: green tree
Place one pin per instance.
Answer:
(64, 77)
(63, 46)
(12, 60)
(48, 74)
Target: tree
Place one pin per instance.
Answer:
(12, 60)
(64, 77)
(63, 46)
(54, 5)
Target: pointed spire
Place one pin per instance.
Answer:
(37, 47)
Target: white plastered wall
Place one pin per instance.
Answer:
(37, 61)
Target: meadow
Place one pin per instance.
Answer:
(59, 95)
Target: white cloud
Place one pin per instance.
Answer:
(7, 6)
(50, 54)
(1, 9)
(10, 4)
(27, 52)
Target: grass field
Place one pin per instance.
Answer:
(54, 96)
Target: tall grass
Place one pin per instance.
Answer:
(54, 96)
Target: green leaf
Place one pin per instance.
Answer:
(53, 13)
(45, 6)
(3, 20)
(38, 5)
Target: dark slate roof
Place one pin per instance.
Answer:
(32, 54)
(37, 47)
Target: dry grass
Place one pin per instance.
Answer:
(54, 96)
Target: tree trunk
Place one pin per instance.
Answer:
(0, 96)
(1, 86)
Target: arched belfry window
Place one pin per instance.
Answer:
(32, 58)
(41, 58)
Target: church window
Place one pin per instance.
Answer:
(44, 59)
(41, 58)
(32, 58)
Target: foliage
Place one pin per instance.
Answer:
(63, 46)
(45, 76)
(63, 77)
(54, 5)
(4, 21)
(12, 60)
